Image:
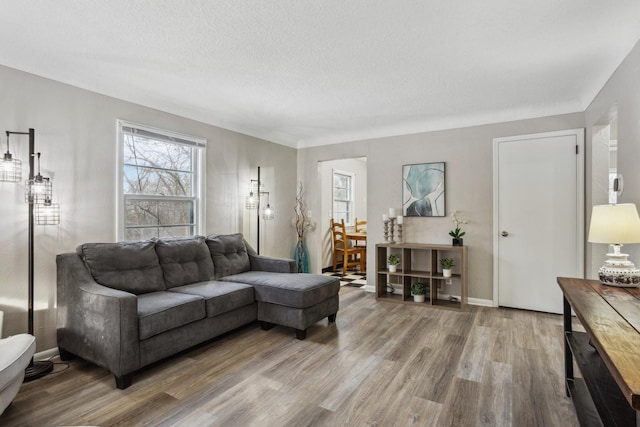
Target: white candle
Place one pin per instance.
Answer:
(399, 219)
(385, 217)
(392, 213)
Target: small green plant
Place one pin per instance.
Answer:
(418, 288)
(393, 259)
(447, 263)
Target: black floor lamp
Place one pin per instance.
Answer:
(38, 192)
(253, 202)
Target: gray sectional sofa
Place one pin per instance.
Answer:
(126, 305)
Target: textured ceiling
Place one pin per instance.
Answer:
(311, 72)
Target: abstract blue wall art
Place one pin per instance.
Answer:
(423, 189)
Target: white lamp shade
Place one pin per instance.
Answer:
(613, 224)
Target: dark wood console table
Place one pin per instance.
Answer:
(608, 355)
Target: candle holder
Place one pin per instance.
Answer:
(399, 233)
(392, 222)
(386, 229)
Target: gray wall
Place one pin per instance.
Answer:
(76, 133)
(468, 154)
(621, 93)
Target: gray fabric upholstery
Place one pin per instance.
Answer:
(184, 261)
(274, 265)
(265, 263)
(171, 342)
(220, 297)
(115, 310)
(161, 311)
(127, 266)
(299, 318)
(298, 290)
(229, 254)
(95, 322)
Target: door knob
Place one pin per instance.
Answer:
(504, 234)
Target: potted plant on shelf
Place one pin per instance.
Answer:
(457, 233)
(418, 289)
(446, 264)
(392, 262)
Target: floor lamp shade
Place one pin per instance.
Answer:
(47, 213)
(616, 225)
(10, 168)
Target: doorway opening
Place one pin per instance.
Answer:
(343, 189)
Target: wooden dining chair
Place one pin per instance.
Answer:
(350, 256)
(361, 226)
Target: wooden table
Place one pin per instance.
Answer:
(607, 355)
(356, 235)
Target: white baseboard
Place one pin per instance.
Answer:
(46, 355)
(481, 302)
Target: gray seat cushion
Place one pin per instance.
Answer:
(229, 254)
(127, 266)
(184, 261)
(293, 290)
(162, 311)
(220, 297)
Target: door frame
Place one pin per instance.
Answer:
(580, 197)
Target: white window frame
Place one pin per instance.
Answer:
(352, 204)
(199, 165)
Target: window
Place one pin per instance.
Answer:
(343, 196)
(161, 177)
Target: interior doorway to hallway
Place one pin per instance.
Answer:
(343, 189)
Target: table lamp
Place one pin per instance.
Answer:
(615, 225)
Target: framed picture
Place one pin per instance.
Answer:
(423, 189)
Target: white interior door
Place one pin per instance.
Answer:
(538, 217)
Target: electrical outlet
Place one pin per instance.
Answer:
(448, 281)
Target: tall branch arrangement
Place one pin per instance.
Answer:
(301, 221)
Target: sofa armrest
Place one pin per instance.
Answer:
(275, 265)
(95, 322)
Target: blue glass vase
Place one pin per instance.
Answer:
(301, 257)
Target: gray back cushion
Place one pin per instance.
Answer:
(229, 254)
(184, 261)
(127, 266)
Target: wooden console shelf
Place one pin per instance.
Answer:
(607, 355)
(421, 263)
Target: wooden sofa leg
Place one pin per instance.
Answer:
(301, 334)
(123, 381)
(332, 317)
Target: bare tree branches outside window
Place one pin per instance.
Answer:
(159, 183)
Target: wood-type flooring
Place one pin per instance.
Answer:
(380, 364)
